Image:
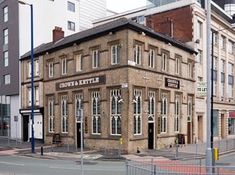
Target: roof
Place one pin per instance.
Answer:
(119, 24)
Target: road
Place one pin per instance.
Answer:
(20, 165)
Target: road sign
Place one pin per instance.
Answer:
(201, 89)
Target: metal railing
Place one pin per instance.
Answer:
(169, 167)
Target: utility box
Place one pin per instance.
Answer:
(216, 154)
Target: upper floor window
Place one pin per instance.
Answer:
(164, 62)
(5, 58)
(115, 54)
(5, 14)
(215, 38)
(36, 96)
(95, 59)
(64, 66)
(199, 30)
(71, 6)
(223, 42)
(36, 68)
(151, 60)
(200, 56)
(230, 46)
(5, 36)
(137, 54)
(177, 65)
(78, 62)
(71, 25)
(190, 69)
(7, 79)
(51, 69)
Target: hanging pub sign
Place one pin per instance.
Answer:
(172, 83)
(91, 81)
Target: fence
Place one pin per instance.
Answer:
(223, 145)
(169, 167)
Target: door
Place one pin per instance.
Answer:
(200, 129)
(150, 135)
(78, 135)
(189, 133)
(25, 128)
(222, 126)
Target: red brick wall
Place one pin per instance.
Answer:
(180, 20)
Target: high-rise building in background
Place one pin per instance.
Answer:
(70, 15)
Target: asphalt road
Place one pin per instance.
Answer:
(20, 165)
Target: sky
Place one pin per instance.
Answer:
(124, 5)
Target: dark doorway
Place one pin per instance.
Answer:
(25, 128)
(150, 135)
(189, 138)
(79, 135)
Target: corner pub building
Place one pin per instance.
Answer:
(132, 83)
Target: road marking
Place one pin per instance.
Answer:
(9, 163)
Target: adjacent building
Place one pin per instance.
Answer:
(186, 21)
(72, 16)
(132, 84)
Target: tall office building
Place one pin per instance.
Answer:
(70, 15)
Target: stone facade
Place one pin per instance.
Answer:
(132, 98)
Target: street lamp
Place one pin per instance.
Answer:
(32, 76)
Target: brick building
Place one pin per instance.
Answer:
(132, 83)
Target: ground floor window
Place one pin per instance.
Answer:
(4, 115)
(231, 126)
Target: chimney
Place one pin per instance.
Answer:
(58, 34)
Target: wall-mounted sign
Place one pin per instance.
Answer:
(172, 83)
(201, 89)
(81, 82)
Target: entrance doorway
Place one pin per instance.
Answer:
(25, 128)
(78, 135)
(200, 128)
(189, 133)
(151, 136)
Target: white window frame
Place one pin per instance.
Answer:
(5, 13)
(95, 111)
(115, 54)
(70, 6)
(95, 58)
(223, 42)
(78, 62)
(177, 114)
(115, 112)
(51, 69)
(78, 106)
(151, 106)
(7, 79)
(164, 62)
(51, 115)
(64, 66)
(164, 112)
(137, 100)
(190, 70)
(36, 67)
(200, 56)
(151, 58)
(5, 36)
(177, 65)
(64, 114)
(6, 58)
(137, 54)
(71, 25)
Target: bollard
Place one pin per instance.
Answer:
(41, 150)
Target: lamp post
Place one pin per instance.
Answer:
(32, 76)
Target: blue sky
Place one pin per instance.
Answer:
(124, 5)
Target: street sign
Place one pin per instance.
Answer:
(201, 89)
